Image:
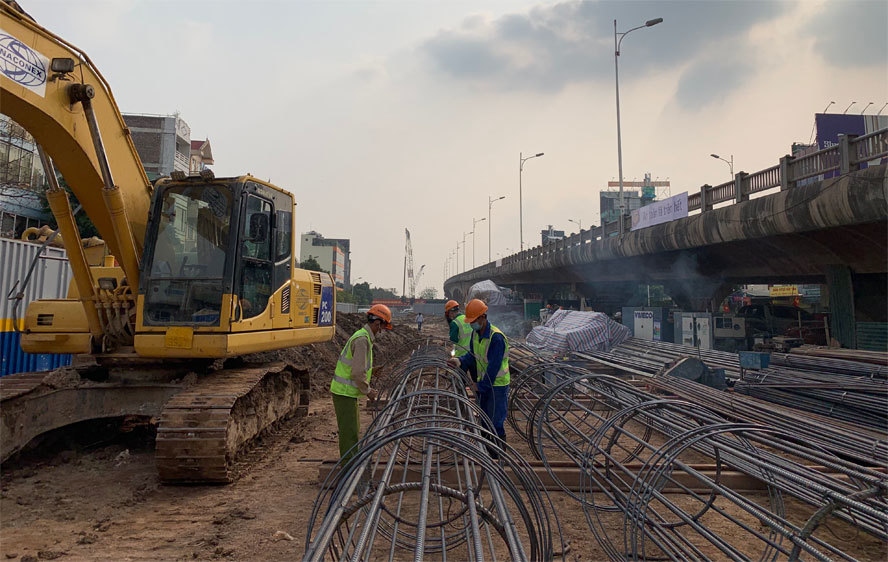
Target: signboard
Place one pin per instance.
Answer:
(23, 65)
(325, 315)
(784, 291)
(675, 207)
(831, 125)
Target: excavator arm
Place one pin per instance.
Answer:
(64, 109)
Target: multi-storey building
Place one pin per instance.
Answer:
(164, 144)
(332, 254)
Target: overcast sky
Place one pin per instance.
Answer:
(386, 115)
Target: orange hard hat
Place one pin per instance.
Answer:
(382, 312)
(474, 309)
(450, 304)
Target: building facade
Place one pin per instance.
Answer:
(332, 254)
(164, 145)
(22, 181)
(201, 155)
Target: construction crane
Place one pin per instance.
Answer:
(408, 269)
(418, 276)
(410, 281)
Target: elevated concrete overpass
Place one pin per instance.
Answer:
(816, 229)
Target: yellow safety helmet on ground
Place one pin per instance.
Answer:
(382, 312)
(450, 304)
(474, 309)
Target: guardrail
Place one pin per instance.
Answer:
(792, 171)
(846, 156)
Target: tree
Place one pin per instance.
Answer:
(362, 292)
(429, 293)
(344, 296)
(384, 294)
(311, 264)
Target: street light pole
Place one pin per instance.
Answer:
(474, 222)
(464, 247)
(867, 107)
(353, 287)
(578, 223)
(521, 161)
(490, 201)
(849, 107)
(730, 164)
(617, 44)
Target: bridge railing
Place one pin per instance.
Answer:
(792, 171)
(847, 155)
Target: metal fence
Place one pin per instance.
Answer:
(49, 280)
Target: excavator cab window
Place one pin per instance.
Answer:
(188, 247)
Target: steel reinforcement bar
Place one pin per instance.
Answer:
(634, 448)
(848, 436)
(430, 481)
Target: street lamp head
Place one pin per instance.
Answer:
(652, 22)
(538, 155)
(715, 156)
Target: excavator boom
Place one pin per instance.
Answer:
(205, 270)
(45, 103)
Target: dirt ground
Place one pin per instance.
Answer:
(104, 502)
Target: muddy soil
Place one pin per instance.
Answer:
(95, 499)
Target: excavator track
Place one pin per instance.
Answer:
(206, 428)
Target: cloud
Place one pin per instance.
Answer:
(551, 47)
(865, 46)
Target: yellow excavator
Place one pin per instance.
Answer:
(201, 269)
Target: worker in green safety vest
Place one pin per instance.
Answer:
(352, 378)
(489, 358)
(460, 331)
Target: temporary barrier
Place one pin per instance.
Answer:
(49, 279)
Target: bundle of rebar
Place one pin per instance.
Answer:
(634, 449)
(841, 411)
(846, 440)
(430, 480)
(863, 402)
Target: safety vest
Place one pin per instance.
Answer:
(481, 348)
(342, 383)
(465, 336)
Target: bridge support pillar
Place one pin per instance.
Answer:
(841, 305)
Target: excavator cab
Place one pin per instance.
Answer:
(219, 271)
